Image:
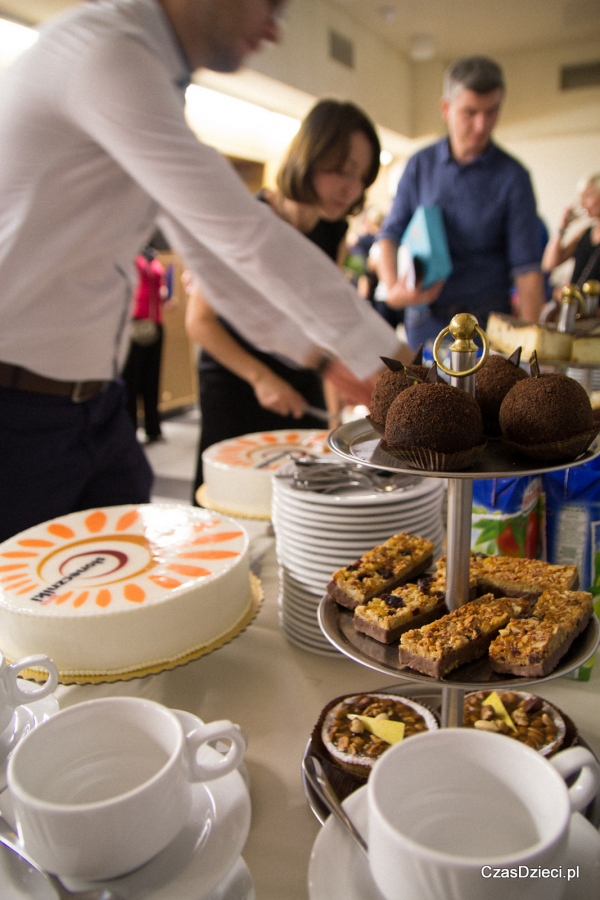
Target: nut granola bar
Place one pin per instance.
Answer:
(388, 615)
(401, 557)
(437, 581)
(460, 636)
(534, 646)
(505, 576)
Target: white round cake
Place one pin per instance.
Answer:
(123, 588)
(238, 472)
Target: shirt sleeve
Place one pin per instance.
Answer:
(524, 247)
(252, 264)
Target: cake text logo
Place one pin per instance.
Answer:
(116, 557)
(50, 591)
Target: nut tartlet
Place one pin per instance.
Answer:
(536, 723)
(350, 745)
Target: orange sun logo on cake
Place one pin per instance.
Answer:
(117, 557)
(267, 449)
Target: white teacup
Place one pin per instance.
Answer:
(459, 814)
(11, 692)
(105, 785)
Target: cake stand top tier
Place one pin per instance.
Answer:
(358, 442)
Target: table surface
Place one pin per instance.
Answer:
(276, 691)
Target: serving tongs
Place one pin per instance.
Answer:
(326, 478)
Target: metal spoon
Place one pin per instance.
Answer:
(9, 839)
(320, 784)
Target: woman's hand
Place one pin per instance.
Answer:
(400, 296)
(275, 394)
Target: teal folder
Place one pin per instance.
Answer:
(425, 239)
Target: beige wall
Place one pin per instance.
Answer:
(555, 133)
(380, 81)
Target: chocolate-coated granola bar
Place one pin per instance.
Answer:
(535, 645)
(505, 576)
(460, 636)
(400, 558)
(388, 615)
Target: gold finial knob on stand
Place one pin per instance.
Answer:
(591, 295)
(463, 329)
(571, 303)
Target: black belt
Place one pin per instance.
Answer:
(20, 379)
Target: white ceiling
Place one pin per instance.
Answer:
(458, 27)
(461, 27)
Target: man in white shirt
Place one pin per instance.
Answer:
(94, 152)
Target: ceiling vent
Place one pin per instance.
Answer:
(341, 49)
(580, 76)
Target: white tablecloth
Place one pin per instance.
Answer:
(276, 691)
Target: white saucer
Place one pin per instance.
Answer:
(195, 863)
(338, 870)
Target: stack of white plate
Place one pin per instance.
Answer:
(317, 533)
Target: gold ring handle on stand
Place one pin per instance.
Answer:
(463, 328)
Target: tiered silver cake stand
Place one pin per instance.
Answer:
(357, 441)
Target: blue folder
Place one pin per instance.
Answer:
(425, 239)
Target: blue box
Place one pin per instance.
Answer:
(425, 238)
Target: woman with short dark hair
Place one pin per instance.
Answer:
(330, 163)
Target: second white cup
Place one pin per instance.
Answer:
(459, 814)
(103, 786)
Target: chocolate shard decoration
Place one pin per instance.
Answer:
(515, 358)
(393, 364)
(417, 359)
(534, 365)
(433, 376)
(412, 378)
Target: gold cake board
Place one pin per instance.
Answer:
(257, 596)
(216, 507)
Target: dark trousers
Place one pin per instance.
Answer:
(141, 376)
(58, 457)
(229, 408)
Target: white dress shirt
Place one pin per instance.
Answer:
(94, 150)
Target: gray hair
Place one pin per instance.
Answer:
(473, 73)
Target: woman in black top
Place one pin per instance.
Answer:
(333, 158)
(584, 247)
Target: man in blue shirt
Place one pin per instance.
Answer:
(488, 208)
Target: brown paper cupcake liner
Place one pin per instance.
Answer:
(432, 461)
(569, 448)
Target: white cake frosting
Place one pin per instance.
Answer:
(238, 472)
(122, 588)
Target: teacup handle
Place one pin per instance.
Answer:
(20, 696)
(223, 730)
(585, 788)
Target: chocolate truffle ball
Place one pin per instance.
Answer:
(492, 383)
(435, 417)
(389, 385)
(542, 410)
